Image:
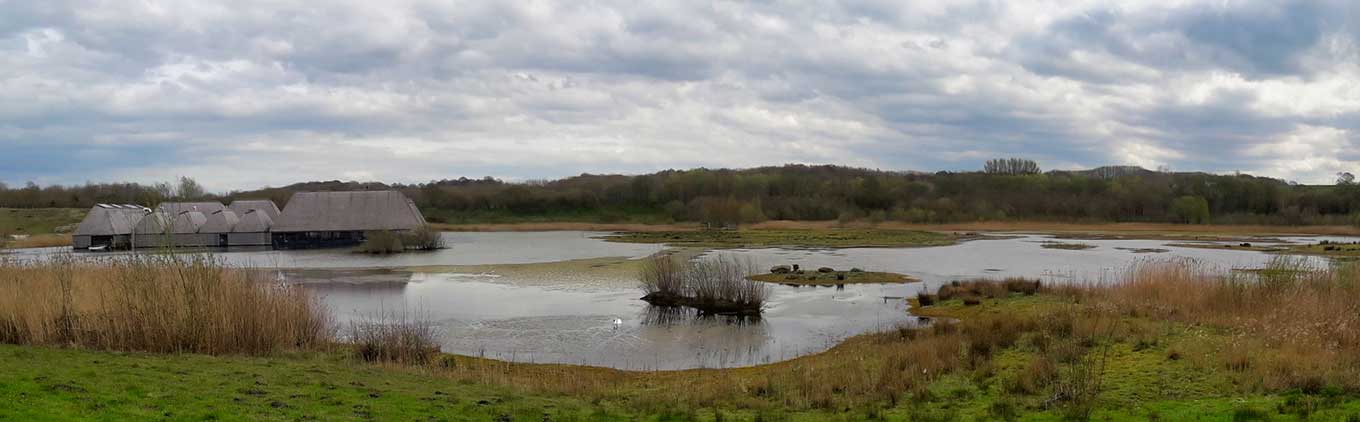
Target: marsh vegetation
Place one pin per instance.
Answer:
(383, 242)
(718, 285)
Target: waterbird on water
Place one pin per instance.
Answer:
(617, 322)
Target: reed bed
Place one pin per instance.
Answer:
(718, 285)
(157, 303)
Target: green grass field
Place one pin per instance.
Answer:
(46, 384)
(38, 220)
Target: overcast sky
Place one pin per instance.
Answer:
(244, 94)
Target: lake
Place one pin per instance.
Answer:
(552, 297)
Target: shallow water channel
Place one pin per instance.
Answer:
(552, 297)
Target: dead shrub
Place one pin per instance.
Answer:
(404, 337)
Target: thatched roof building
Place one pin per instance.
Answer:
(107, 225)
(176, 208)
(222, 222)
(324, 219)
(253, 229)
(242, 206)
(349, 211)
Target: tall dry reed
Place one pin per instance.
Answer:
(157, 303)
(721, 282)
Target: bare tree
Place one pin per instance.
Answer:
(1011, 166)
(1345, 178)
(190, 189)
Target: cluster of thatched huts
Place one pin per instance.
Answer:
(311, 219)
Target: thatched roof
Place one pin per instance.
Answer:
(188, 222)
(241, 207)
(153, 224)
(349, 211)
(220, 222)
(110, 220)
(254, 221)
(175, 208)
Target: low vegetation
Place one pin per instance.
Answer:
(1067, 246)
(1332, 249)
(826, 276)
(718, 285)
(38, 221)
(383, 242)
(817, 238)
(37, 227)
(404, 337)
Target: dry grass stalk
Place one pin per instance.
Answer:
(169, 304)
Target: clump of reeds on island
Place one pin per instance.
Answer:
(383, 242)
(718, 285)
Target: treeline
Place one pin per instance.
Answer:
(1005, 190)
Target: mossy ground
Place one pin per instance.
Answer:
(812, 238)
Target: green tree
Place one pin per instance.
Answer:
(1190, 209)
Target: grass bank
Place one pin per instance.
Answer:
(38, 220)
(38, 227)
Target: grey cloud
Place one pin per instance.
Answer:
(414, 90)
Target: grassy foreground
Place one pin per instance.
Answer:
(43, 383)
(1140, 382)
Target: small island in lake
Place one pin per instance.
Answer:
(785, 274)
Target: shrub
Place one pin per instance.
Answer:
(394, 337)
(424, 238)
(381, 242)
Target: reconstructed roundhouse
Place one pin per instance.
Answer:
(311, 219)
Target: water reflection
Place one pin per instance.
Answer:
(680, 315)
